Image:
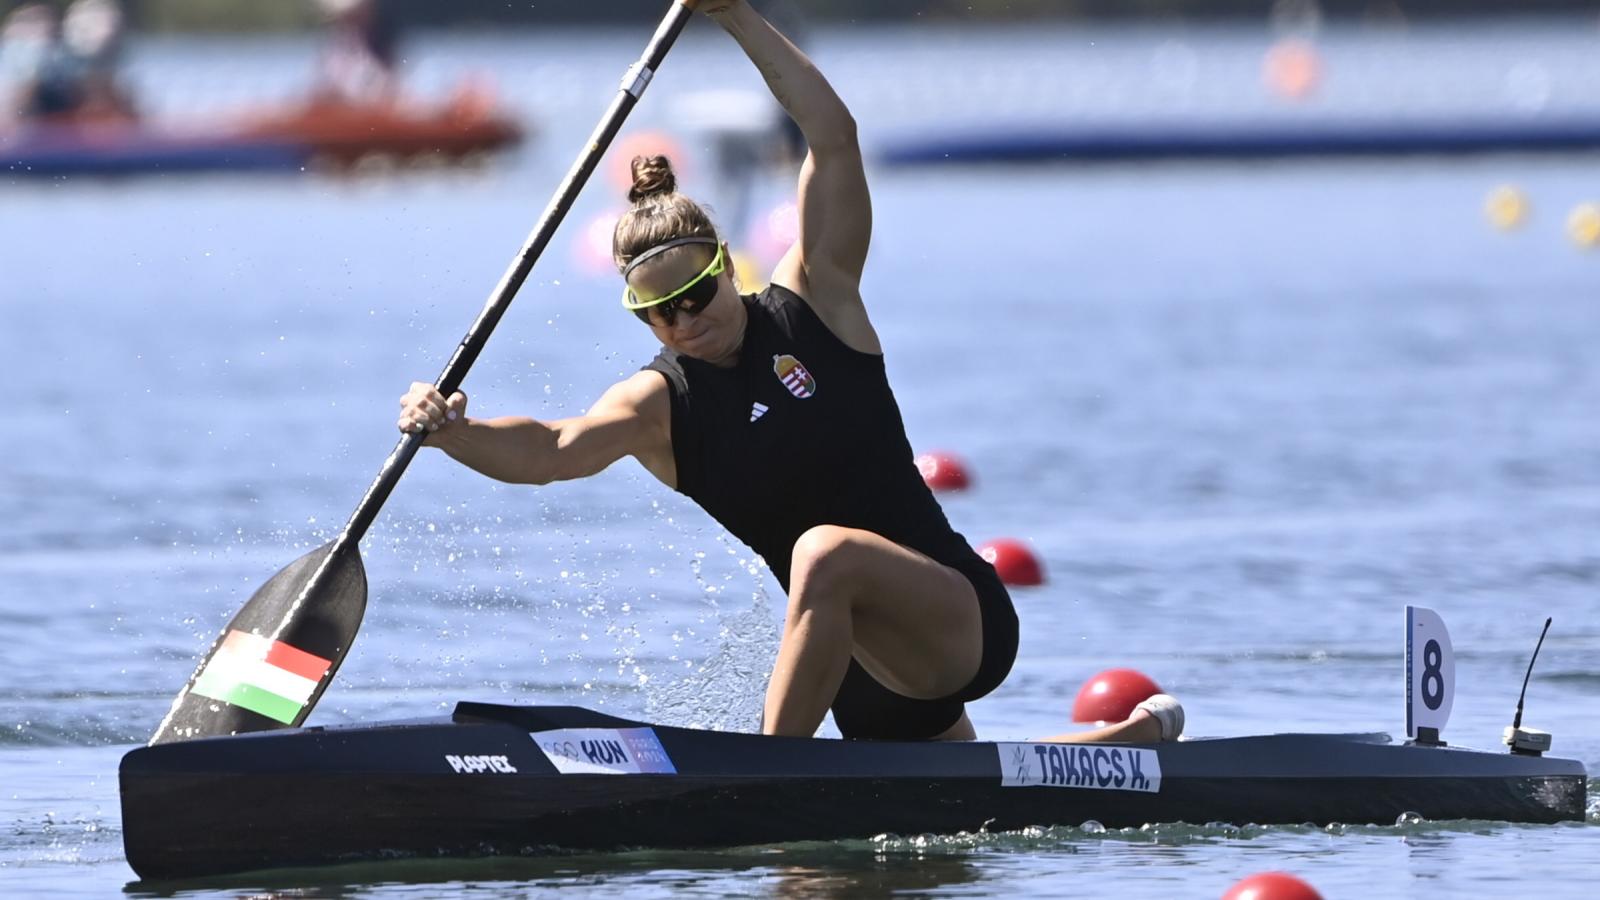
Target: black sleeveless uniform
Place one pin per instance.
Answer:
(804, 431)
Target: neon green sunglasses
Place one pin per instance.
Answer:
(691, 299)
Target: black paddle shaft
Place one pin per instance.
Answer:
(455, 371)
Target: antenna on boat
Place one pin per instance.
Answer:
(1529, 741)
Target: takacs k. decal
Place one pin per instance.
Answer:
(1098, 767)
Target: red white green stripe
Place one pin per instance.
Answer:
(262, 675)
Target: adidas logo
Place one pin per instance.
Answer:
(757, 411)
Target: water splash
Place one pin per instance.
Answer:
(724, 692)
(53, 837)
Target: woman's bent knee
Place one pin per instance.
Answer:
(824, 558)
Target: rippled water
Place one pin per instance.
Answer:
(1245, 413)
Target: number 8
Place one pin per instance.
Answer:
(1432, 678)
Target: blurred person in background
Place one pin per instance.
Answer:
(360, 62)
(63, 69)
(35, 72)
(94, 33)
(790, 146)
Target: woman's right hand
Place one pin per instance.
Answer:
(423, 408)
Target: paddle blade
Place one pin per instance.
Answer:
(272, 663)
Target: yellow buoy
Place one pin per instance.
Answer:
(1583, 225)
(748, 270)
(1506, 207)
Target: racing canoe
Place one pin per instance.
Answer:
(493, 779)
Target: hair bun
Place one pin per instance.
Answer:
(652, 175)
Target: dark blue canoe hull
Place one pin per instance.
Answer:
(486, 781)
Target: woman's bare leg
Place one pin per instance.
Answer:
(912, 623)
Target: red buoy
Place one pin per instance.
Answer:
(1292, 68)
(943, 472)
(619, 162)
(1013, 561)
(1111, 695)
(1272, 886)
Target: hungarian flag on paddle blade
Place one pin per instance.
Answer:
(262, 675)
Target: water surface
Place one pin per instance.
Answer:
(1245, 413)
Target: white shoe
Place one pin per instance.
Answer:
(1167, 711)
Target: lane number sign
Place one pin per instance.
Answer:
(1430, 671)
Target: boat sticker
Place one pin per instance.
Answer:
(794, 376)
(1099, 766)
(262, 675)
(605, 751)
(472, 765)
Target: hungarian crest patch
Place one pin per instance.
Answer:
(794, 376)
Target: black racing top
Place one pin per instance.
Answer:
(803, 431)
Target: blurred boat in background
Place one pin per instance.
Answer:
(976, 144)
(322, 133)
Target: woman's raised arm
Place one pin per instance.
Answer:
(825, 265)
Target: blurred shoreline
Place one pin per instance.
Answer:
(244, 15)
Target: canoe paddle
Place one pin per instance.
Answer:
(273, 661)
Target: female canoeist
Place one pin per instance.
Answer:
(773, 412)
